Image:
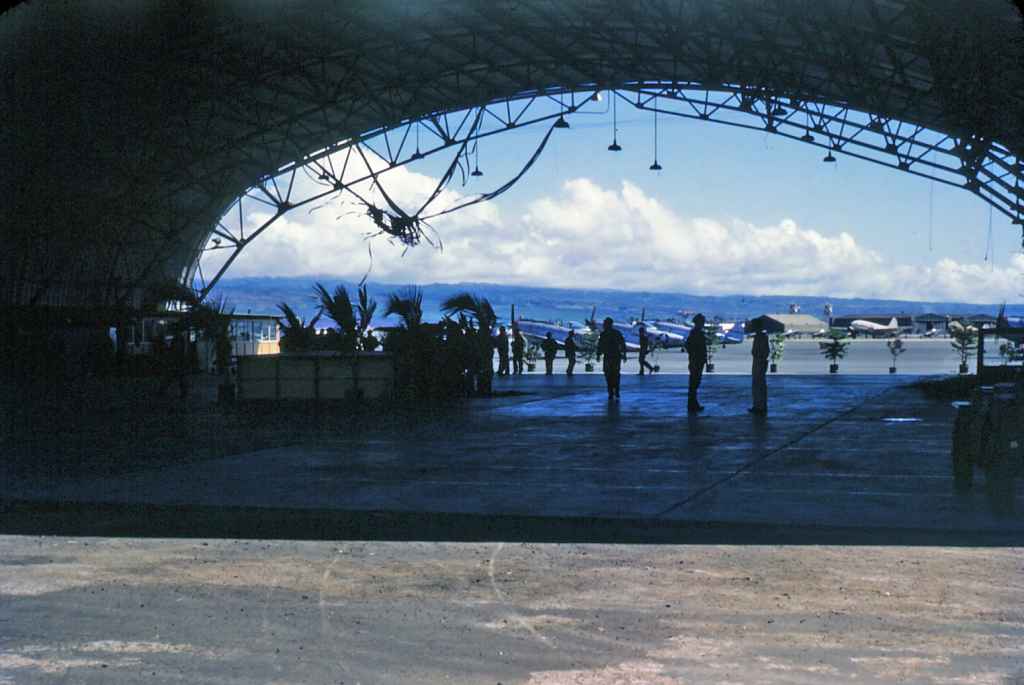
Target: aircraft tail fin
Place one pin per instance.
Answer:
(894, 323)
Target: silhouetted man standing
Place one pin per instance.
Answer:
(550, 348)
(570, 352)
(759, 369)
(697, 348)
(645, 346)
(612, 346)
(502, 352)
(518, 350)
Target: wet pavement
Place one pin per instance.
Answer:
(555, 457)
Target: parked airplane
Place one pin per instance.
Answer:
(730, 333)
(536, 331)
(875, 330)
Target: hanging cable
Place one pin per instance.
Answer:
(990, 255)
(931, 214)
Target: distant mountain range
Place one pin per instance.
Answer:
(261, 295)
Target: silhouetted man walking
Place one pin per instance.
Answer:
(518, 350)
(759, 369)
(612, 346)
(570, 352)
(645, 345)
(550, 348)
(697, 348)
(502, 352)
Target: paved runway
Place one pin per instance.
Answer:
(555, 457)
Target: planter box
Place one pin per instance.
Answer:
(833, 368)
(774, 368)
(315, 376)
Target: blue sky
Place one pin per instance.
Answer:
(733, 211)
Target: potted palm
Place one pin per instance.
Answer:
(532, 353)
(713, 344)
(479, 309)
(834, 350)
(896, 348)
(776, 346)
(588, 347)
(1009, 352)
(964, 342)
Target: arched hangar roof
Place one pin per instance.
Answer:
(129, 126)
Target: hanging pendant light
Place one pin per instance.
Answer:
(807, 137)
(615, 147)
(417, 154)
(829, 158)
(655, 166)
(561, 122)
(476, 163)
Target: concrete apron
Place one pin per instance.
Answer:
(842, 459)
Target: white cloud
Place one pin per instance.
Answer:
(586, 235)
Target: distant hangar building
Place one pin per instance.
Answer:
(796, 324)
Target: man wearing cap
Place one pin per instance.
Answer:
(759, 368)
(697, 349)
(612, 346)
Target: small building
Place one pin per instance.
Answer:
(251, 334)
(978, 320)
(927, 323)
(795, 324)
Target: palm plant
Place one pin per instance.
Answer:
(296, 334)
(1010, 352)
(366, 308)
(834, 350)
(964, 342)
(712, 344)
(407, 304)
(478, 307)
(896, 348)
(338, 308)
(776, 346)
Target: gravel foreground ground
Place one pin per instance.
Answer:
(101, 610)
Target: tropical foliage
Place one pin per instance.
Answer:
(297, 335)
(834, 349)
(964, 341)
(776, 346)
(1010, 352)
(406, 304)
(896, 348)
(479, 340)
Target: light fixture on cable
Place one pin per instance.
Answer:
(655, 166)
(615, 147)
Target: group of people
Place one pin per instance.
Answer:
(611, 345)
(611, 348)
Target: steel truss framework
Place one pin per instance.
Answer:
(130, 124)
(983, 167)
